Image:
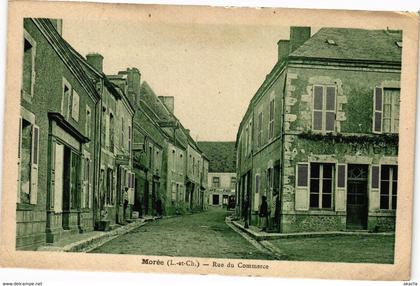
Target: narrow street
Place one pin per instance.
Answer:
(199, 235)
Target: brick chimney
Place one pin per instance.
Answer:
(169, 102)
(96, 60)
(58, 25)
(298, 35)
(283, 49)
(133, 82)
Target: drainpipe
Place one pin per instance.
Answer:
(98, 124)
(280, 194)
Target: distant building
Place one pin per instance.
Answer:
(221, 176)
(320, 136)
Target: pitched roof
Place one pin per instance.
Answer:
(65, 51)
(354, 44)
(221, 155)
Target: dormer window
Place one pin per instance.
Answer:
(331, 42)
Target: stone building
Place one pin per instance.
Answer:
(320, 136)
(56, 139)
(221, 176)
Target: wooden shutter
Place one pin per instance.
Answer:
(58, 177)
(330, 109)
(318, 104)
(374, 196)
(302, 187)
(341, 187)
(34, 164)
(84, 183)
(90, 186)
(19, 159)
(377, 110)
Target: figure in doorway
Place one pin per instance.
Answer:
(125, 198)
(159, 209)
(245, 213)
(263, 214)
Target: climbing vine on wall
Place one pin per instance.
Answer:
(362, 139)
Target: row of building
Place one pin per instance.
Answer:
(95, 150)
(319, 140)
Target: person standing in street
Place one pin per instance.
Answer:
(263, 213)
(246, 212)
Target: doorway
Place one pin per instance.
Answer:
(357, 201)
(70, 185)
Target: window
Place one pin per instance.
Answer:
(150, 156)
(173, 160)
(246, 141)
(28, 75)
(103, 129)
(389, 187)
(75, 106)
(386, 110)
(321, 185)
(232, 182)
(111, 132)
(88, 126)
(259, 132)
(323, 116)
(66, 100)
(130, 139)
(216, 182)
(122, 143)
(28, 159)
(249, 137)
(271, 120)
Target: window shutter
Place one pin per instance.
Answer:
(58, 180)
(75, 106)
(377, 110)
(19, 158)
(302, 187)
(90, 186)
(318, 103)
(340, 194)
(375, 176)
(330, 109)
(34, 163)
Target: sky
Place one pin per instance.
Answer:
(212, 70)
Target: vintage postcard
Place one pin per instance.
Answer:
(186, 139)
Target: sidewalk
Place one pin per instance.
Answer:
(259, 235)
(85, 242)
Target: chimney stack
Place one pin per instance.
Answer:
(96, 60)
(58, 25)
(298, 35)
(283, 49)
(133, 82)
(169, 102)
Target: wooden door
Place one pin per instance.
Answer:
(357, 201)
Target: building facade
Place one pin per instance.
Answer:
(320, 137)
(56, 139)
(221, 176)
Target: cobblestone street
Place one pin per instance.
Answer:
(199, 235)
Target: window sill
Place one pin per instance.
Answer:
(24, 207)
